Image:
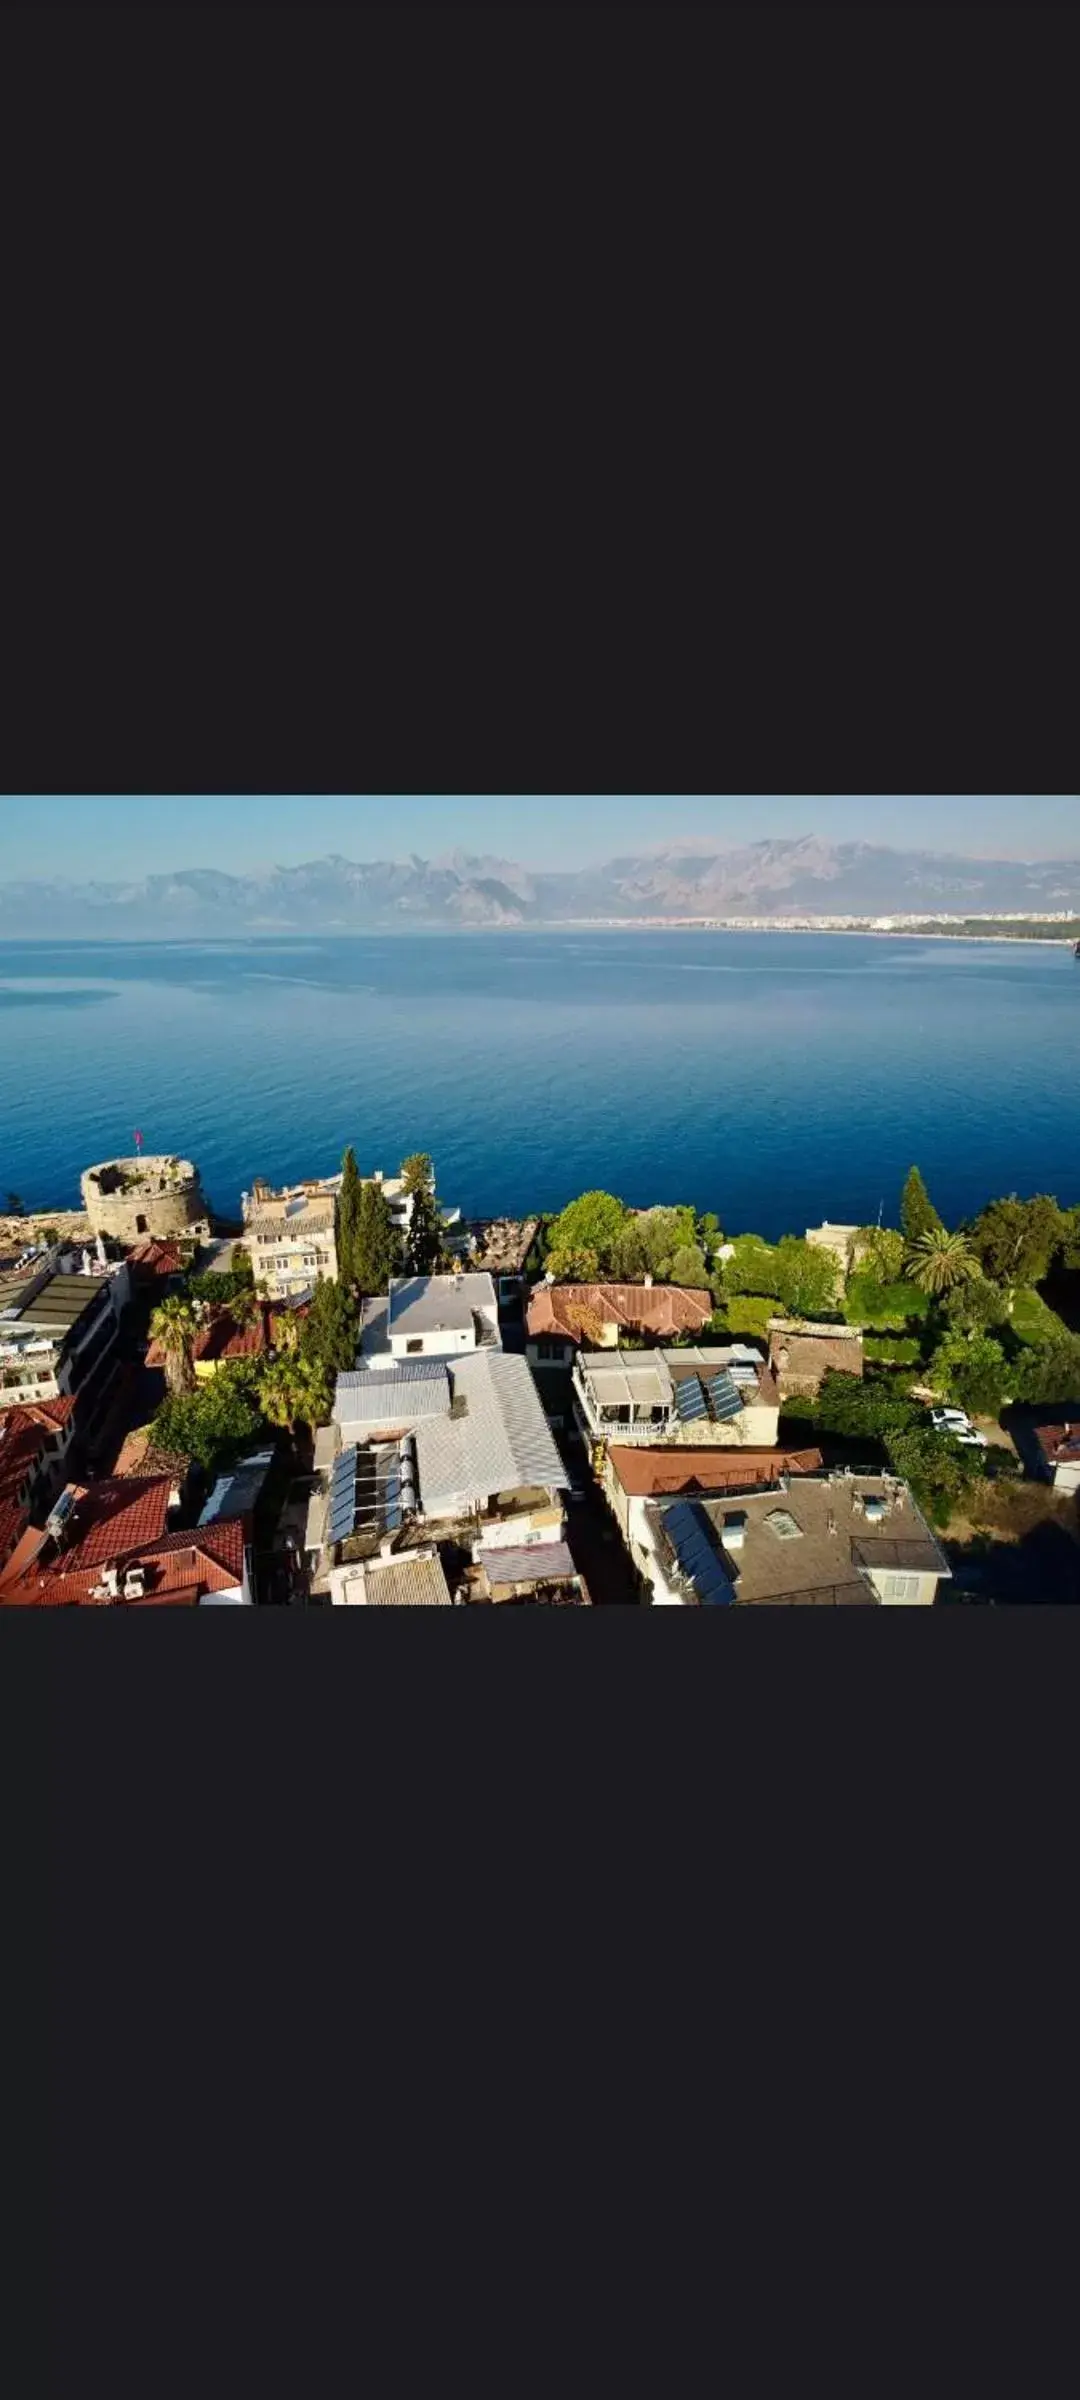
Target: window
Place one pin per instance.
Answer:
(657, 1416)
(549, 1349)
(899, 1587)
(140, 1225)
(411, 1348)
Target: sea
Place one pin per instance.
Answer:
(776, 1078)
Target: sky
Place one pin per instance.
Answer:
(78, 837)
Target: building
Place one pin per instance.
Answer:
(112, 1548)
(130, 1197)
(561, 1316)
(58, 1337)
(823, 1540)
(155, 1266)
(632, 1477)
(1059, 1446)
(34, 1442)
(802, 1355)
(458, 1449)
(840, 1239)
(499, 1247)
(290, 1238)
(415, 1580)
(236, 1493)
(543, 1576)
(219, 1341)
(725, 1396)
(430, 1316)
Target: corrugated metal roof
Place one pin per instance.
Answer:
(499, 1444)
(404, 1370)
(406, 1583)
(376, 1399)
(545, 1562)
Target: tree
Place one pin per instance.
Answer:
(240, 1263)
(1050, 1372)
(846, 1405)
(174, 1325)
(331, 1330)
(917, 1212)
(348, 1216)
(710, 1230)
(937, 1260)
(753, 1268)
(294, 1392)
(1070, 1241)
(216, 1422)
(593, 1224)
(807, 1276)
(974, 1306)
(424, 1238)
(688, 1268)
(377, 1248)
(882, 1251)
(972, 1370)
(1016, 1239)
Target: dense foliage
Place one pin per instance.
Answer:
(1015, 1240)
(889, 1307)
(938, 1260)
(972, 1369)
(217, 1421)
(376, 1245)
(219, 1287)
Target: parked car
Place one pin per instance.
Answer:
(958, 1423)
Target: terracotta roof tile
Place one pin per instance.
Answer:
(115, 1517)
(658, 1308)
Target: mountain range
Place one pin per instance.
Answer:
(683, 879)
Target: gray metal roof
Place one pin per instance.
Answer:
(500, 1443)
(543, 1562)
(378, 1399)
(235, 1494)
(438, 1303)
(404, 1370)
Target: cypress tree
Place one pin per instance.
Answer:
(917, 1212)
(423, 1241)
(376, 1249)
(348, 1216)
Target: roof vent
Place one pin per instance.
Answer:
(459, 1405)
(733, 1530)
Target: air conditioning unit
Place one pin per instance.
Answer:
(110, 1583)
(135, 1584)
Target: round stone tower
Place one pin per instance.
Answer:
(130, 1198)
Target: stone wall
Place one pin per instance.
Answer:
(70, 1224)
(131, 1198)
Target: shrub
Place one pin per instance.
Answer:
(889, 1306)
(894, 1350)
(747, 1314)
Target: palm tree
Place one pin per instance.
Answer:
(293, 1393)
(937, 1260)
(175, 1324)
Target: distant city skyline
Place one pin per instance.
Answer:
(111, 836)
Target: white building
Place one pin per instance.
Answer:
(430, 1316)
(725, 1396)
(58, 1335)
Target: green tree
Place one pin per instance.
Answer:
(710, 1230)
(688, 1268)
(941, 1473)
(1015, 1240)
(174, 1325)
(348, 1216)
(937, 1260)
(848, 1406)
(240, 1263)
(1070, 1239)
(216, 1422)
(974, 1306)
(377, 1249)
(1050, 1372)
(424, 1237)
(753, 1268)
(49, 1234)
(294, 1392)
(591, 1224)
(972, 1370)
(331, 1330)
(808, 1277)
(882, 1250)
(917, 1212)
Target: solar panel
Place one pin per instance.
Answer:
(393, 1518)
(696, 1555)
(690, 1400)
(726, 1399)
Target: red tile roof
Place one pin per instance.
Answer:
(1060, 1444)
(657, 1308)
(156, 1258)
(651, 1472)
(219, 1339)
(179, 1569)
(25, 1432)
(113, 1518)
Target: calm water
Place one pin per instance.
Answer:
(776, 1078)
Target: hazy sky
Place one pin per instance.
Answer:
(114, 837)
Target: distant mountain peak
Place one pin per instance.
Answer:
(680, 877)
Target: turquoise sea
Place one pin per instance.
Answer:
(776, 1078)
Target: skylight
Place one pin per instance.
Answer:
(783, 1524)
